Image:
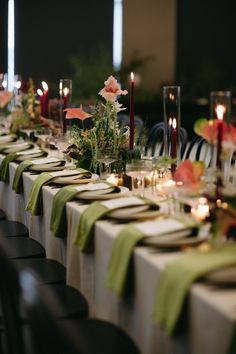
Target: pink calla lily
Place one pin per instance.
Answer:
(5, 97)
(76, 113)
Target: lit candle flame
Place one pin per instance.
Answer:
(174, 123)
(66, 91)
(132, 76)
(18, 84)
(170, 121)
(220, 110)
(4, 83)
(171, 96)
(45, 85)
(40, 92)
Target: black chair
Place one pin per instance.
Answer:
(24, 247)
(13, 321)
(199, 150)
(2, 215)
(11, 228)
(155, 143)
(50, 335)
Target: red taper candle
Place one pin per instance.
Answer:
(131, 137)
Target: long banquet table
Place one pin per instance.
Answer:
(212, 311)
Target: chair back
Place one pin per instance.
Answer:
(155, 142)
(48, 332)
(199, 150)
(10, 304)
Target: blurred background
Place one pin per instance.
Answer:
(165, 42)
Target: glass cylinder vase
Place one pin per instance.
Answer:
(171, 111)
(220, 98)
(65, 91)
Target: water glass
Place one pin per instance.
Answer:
(106, 157)
(139, 170)
(61, 143)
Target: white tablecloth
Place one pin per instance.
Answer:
(212, 312)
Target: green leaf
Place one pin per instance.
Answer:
(199, 124)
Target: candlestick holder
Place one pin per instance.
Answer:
(65, 91)
(171, 111)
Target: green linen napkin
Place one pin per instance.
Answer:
(84, 234)
(97, 210)
(17, 184)
(121, 253)
(58, 223)
(177, 278)
(124, 244)
(4, 167)
(34, 204)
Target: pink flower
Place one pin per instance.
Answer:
(232, 134)
(5, 97)
(208, 129)
(190, 173)
(111, 90)
(76, 113)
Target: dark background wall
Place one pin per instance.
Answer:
(206, 46)
(48, 32)
(3, 36)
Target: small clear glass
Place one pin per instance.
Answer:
(61, 143)
(138, 170)
(106, 157)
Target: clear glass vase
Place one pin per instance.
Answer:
(171, 110)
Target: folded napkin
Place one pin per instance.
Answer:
(34, 204)
(124, 245)
(177, 278)
(97, 210)
(4, 167)
(58, 223)
(17, 184)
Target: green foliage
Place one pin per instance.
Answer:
(88, 74)
(104, 133)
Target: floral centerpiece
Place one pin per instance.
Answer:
(208, 129)
(26, 110)
(104, 131)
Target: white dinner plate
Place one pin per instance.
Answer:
(47, 167)
(17, 148)
(134, 213)
(7, 139)
(103, 194)
(30, 156)
(225, 276)
(178, 239)
(75, 180)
